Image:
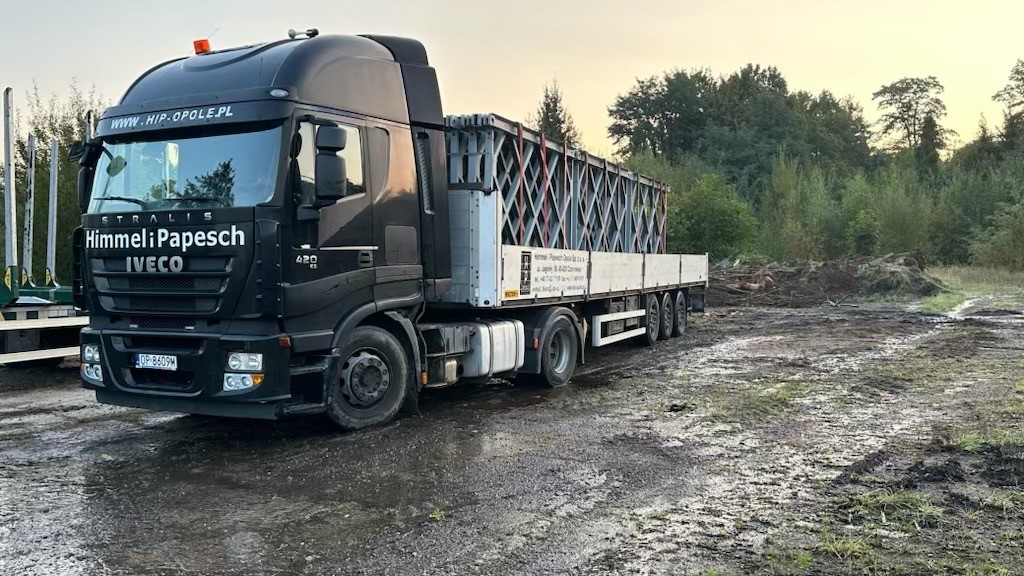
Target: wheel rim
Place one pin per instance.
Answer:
(365, 378)
(653, 318)
(559, 351)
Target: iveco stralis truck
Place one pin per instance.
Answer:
(295, 228)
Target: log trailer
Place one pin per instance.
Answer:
(38, 323)
(295, 228)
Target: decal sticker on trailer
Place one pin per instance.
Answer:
(525, 268)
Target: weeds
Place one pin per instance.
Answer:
(754, 404)
(842, 547)
(966, 282)
(977, 442)
(907, 507)
(987, 568)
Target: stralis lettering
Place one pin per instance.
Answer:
(164, 238)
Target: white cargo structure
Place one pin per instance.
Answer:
(535, 222)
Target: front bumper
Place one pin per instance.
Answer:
(197, 386)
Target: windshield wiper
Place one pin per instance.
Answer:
(142, 203)
(220, 201)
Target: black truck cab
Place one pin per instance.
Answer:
(246, 209)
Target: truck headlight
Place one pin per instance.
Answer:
(92, 372)
(247, 361)
(234, 382)
(90, 353)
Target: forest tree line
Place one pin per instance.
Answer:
(759, 170)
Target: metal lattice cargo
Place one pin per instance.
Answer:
(532, 221)
(553, 196)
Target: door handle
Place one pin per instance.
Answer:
(365, 259)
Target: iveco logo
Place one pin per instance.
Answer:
(169, 218)
(154, 264)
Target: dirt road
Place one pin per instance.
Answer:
(768, 441)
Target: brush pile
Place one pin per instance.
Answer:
(808, 283)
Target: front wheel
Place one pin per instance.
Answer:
(373, 380)
(559, 352)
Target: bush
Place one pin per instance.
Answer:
(1002, 243)
(709, 217)
(904, 210)
(862, 233)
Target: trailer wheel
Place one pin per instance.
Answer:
(680, 319)
(667, 315)
(559, 352)
(372, 380)
(653, 320)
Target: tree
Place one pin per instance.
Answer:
(932, 140)
(553, 119)
(1012, 95)
(663, 115)
(905, 104)
(999, 245)
(219, 184)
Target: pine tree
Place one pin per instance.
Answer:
(931, 141)
(553, 119)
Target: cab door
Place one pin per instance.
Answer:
(330, 267)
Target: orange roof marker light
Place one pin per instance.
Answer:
(202, 45)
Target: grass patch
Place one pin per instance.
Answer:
(754, 404)
(842, 547)
(908, 508)
(966, 282)
(945, 302)
(979, 441)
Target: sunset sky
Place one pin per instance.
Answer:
(495, 57)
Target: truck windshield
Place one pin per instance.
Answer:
(218, 171)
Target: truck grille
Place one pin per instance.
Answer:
(196, 290)
(160, 379)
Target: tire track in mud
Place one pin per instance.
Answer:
(757, 479)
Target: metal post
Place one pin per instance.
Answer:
(51, 218)
(30, 192)
(10, 214)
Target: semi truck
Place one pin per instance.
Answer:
(294, 227)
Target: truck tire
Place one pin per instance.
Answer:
(559, 352)
(372, 380)
(667, 313)
(652, 321)
(680, 318)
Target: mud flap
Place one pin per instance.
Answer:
(411, 405)
(696, 301)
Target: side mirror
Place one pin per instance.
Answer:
(76, 151)
(331, 138)
(331, 178)
(84, 184)
(330, 173)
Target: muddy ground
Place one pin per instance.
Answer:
(870, 440)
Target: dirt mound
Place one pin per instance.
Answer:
(809, 283)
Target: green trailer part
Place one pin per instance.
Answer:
(37, 321)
